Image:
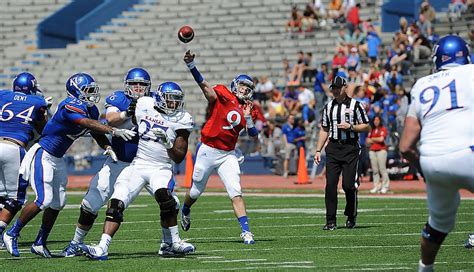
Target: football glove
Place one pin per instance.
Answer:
(131, 108)
(125, 134)
(110, 152)
(162, 137)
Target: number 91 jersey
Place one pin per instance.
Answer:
(443, 103)
(226, 121)
(150, 150)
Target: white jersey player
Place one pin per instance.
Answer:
(163, 129)
(120, 108)
(440, 116)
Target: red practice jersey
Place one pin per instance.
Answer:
(225, 122)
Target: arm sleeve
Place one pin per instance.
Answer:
(73, 113)
(362, 117)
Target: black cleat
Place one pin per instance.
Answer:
(350, 223)
(330, 226)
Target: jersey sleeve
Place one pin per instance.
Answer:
(118, 101)
(73, 112)
(186, 122)
(362, 117)
(223, 94)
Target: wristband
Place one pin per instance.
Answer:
(194, 71)
(123, 115)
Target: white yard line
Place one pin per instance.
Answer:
(235, 261)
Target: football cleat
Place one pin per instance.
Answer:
(330, 226)
(182, 247)
(350, 223)
(166, 251)
(247, 236)
(469, 244)
(71, 250)
(41, 250)
(185, 221)
(11, 244)
(94, 252)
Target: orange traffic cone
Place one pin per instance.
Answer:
(302, 169)
(188, 176)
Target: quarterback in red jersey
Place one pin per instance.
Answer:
(230, 113)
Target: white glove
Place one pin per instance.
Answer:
(163, 137)
(110, 152)
(125, 134)
(49, 101)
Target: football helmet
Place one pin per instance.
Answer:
(25, 83)
(243, 87)
(83, 87)
(450, 51)
(169, 98)
(137, 83)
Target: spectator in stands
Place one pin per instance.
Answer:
(300, 134)
(320, 11)
(289, 147)
(335, 10)
(276, 109)
(357, 38)
(403, 57)
(394, 79)
(321, 88)
(306, 104)
(264, 89)
(421, 47)
(294, 24)
(298, 68)
(343, 39)
(353, 19)
(402, 109)
(353, 60)
(371, 49)
(339, 60)
(428, 11)
(290, 99)
(309, 18)
(403, 25)
(425, 26)
(456, 8)
(378, 156)
(309, 69)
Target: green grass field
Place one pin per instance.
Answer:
(287, 231)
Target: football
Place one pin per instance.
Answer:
(186, 34)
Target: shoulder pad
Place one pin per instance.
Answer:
(223, 92)
(186, 122)
(117, 99)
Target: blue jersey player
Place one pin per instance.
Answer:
(44, 165)
(21, 112)
(120, 107)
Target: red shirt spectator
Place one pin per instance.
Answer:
(376, 132)
(353, 15)
(339, 60)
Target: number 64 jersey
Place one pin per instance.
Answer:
(150, 150)
(443, 103)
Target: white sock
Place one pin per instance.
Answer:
(79, 235)
(174, 234)
(105, 242)
(3, 226)
(424, 268)
(166, 235)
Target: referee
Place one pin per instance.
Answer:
(342, 119)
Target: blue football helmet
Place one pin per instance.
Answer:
(25, 83)
(450, 51)
(169, 98)
(243, 87)
(137, 83)
(83, 87)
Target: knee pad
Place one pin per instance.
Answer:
(86, 218)
(115, 210)
(166, 201)
(12, 205)
(433, 235)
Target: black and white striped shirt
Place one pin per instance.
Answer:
(350, 111)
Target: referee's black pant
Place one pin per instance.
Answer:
(341, 157)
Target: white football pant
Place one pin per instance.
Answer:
(11, 185)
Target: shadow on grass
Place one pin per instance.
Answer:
(143, 255)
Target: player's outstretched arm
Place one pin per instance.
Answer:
(99, 128)
(206, 88)
(178, 152)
